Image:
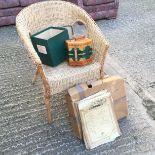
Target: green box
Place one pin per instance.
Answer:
(50, 45)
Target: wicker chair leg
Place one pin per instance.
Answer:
(47, 93)
(48, 107)
(35, 76)
(101, 73)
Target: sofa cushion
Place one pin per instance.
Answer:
(10, 11)
(7, 20)
(8, 3)
(28, 2)
(109, 14)
(102, 7)
(96, 2)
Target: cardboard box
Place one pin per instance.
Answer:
(114, 84)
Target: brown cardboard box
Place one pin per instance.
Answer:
(114, 84)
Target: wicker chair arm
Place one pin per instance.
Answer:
(100, 43)
(101, 47)
(104, 46)
(26, 40)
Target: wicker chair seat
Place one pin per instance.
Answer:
(65, 76)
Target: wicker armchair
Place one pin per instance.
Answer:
(57, 13)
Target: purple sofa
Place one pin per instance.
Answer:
(99, 9)
(10, 8)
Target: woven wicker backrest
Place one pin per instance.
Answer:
(55, 13)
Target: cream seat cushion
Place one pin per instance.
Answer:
(64, 76)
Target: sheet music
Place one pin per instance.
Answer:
(98, 120)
